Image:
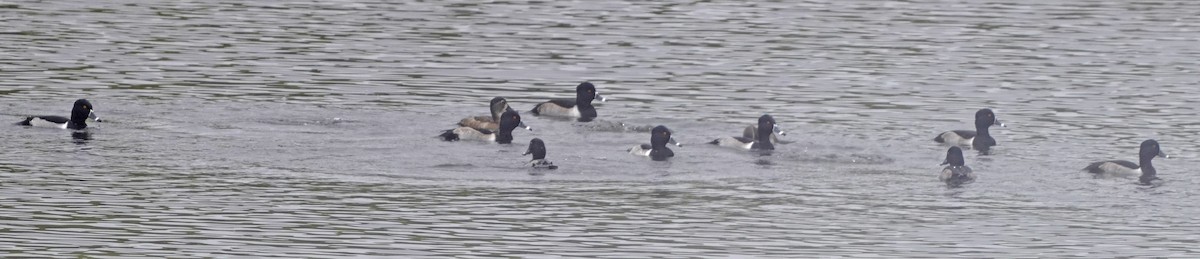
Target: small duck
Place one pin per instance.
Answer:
(508, 122)
(499, 105)
(1122, 168)
(956, 173)
(979, 138)
(580, 107)
(80, 112)
(766, 127)
(657, 150)
(751, 132)
(538, 149)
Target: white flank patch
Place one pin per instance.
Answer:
(637, 150)
(575, 112)
(465, 133)
(39, 122)
(1111, 169)
(734, 143)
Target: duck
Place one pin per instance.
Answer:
(508, 122)
(81, 111)
(498, 106)
(956, 172)
(979, 139)
(766, 127)
(657, 150)
(1123, 168)
(538, 149)
(580, 107)
(751, 132)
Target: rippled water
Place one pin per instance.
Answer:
(306, 129)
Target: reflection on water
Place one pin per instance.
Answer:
(81, 136)
(305, 129)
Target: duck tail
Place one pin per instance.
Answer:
(1094, 168)
(939, 139)
(534, 111)
(27, 122)
(448, 135)
(715, 142)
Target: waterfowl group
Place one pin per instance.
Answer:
(957, 173)
(763, 136)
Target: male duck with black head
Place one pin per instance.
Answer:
(766, 128)
(509, 121)
(81, 111)
(580, 107)
(657, 150)
(979, 139)
(956, 173)
(538, 149)
(1122, 168)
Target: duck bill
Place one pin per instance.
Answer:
(92, 115)
(998, 123)
(778, 130)
(601, 98)
(945, 162)
(673, 142)
(522, 125)
(1163, 155)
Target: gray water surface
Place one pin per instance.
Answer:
(307, 129)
